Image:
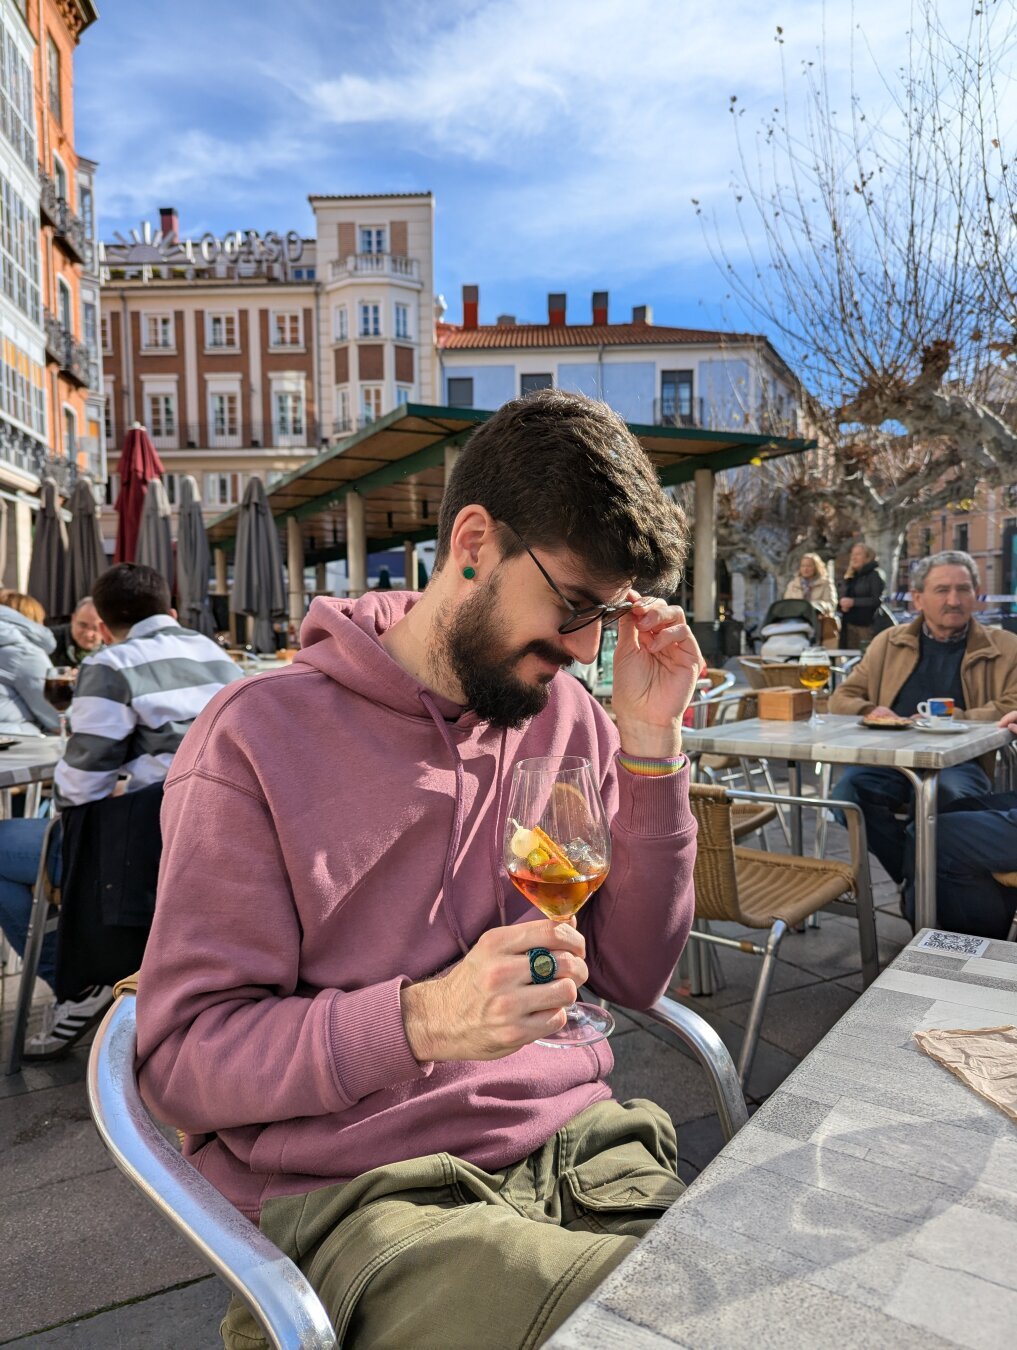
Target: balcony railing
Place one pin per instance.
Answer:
(376, 265)
(68, 228)
(242, 436)
(72, 356)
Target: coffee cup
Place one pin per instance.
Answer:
(936, 708)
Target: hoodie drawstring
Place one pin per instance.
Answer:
(499, 889)
(448, 907)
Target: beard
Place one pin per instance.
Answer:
(470, 648)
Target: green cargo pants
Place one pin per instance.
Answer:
(436, 1254)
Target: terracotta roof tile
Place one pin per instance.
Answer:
(451, 337)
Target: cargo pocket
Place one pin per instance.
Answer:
(621, 1191)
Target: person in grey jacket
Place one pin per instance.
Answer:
(25, 647)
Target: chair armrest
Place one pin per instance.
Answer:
(707, 1047)
(275, 1290)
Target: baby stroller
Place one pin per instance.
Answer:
(788, 628)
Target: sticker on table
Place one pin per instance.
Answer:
(952, 944)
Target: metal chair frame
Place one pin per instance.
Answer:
(41, 923)
(270, 1284)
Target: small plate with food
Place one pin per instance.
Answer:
(886, 722)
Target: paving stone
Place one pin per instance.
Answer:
(797, 1019)
(647, 1067)
(47, 1136)
(180, 1319)
(75, 1247)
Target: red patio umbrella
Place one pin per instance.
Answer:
(139, 464)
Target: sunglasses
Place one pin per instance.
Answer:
(605, 615)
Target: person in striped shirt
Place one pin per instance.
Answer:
(133, 703)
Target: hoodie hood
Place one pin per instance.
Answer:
(342, 639)
(16, 628)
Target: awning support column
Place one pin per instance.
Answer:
(356, 545)
(410, 570)
(295, 569)
(704, 590)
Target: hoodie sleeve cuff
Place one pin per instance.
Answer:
(654, 806)
(367, 1040)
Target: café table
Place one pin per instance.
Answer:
(29, 763)
(871, 1201)
(918, 754)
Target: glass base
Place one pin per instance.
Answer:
(587, 1024)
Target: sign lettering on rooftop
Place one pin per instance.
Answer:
(148, 252)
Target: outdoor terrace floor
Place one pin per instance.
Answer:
(90, 1266)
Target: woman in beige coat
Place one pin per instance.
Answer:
(813, 584)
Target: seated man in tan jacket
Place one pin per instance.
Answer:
(943, 653)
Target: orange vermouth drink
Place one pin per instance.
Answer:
(557, 851)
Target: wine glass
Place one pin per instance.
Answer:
(59, 691)
(814, 672)
(557, 851)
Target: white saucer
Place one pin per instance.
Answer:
(941, 726)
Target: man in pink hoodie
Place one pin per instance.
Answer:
(337, 1003)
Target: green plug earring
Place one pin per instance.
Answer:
(469, 573)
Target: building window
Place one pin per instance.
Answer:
(370, 320)
(65, 306)
(107, 342)
(302, 274)
(340, 324)
(109, 425)
(676, 398)
(19, 251)
(460, 392)
(162, 415)
(342, 411)
(87, 205)
(289, 413)
(372, 239)
(223, 489)
(529, 384)
(89, 316)
(222, 330)
(960, 537)
(53, 78)
(285, 330)
(402, 321)
(157, 332)
(17, 103)
(70, 434)
(403, 394)
(370, 402)
(224, 416)
(22, 390)
(171, 482)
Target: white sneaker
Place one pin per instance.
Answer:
(66, 1023)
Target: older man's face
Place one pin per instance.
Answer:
(947, 600)
(85, 628)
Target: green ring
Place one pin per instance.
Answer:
(543, 966)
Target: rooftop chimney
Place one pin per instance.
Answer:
(600, 307)
(642, 314)
(169, 222)
(506, 321)
(556, 309)
(471, 306)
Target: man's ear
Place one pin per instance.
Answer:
(473, 541)
(172, 613)
(108, 639)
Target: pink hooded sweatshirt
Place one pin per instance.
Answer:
(332, 833)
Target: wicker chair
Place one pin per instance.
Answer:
(773, 891)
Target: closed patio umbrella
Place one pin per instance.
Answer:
(193, 558)
(155, 539)
(48, 573)
(87, 557)
(139, 464)
(258, 588)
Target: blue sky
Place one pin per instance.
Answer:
(563, 139)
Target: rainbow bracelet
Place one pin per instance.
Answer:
(651, 768)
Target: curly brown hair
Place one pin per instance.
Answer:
(564, 471)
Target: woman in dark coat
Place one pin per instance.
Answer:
(860, 595)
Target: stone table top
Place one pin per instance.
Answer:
(870, 1202)
(842, 739)
(32, 759)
